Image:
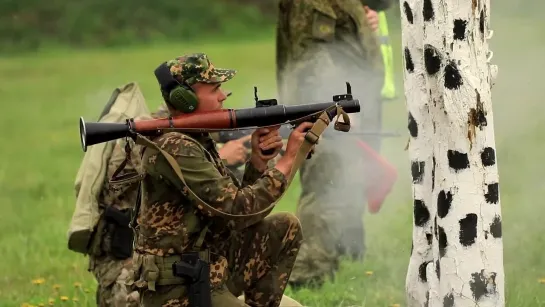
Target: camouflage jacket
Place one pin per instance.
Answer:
(321, 44)
(169, 221)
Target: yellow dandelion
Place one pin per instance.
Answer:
(38, 281)
(86, 290)
(541, 280)
(64, 298)
(75, 299)
(56, 287)
(41, 305)
(395, 305)
(77, 284)
(25, 305)
(369, 273)
(51, 302)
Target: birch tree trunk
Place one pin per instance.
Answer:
(420, 152)
(457, 255)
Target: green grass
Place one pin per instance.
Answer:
(43, 95)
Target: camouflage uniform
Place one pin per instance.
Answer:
(321, 44)
(109, 267)
(255, 261)
(237, 170)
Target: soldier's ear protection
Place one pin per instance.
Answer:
(180, 95)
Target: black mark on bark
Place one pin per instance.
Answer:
(448, 300)
(421, 213)
(413, 126)
(443, 243)
(409, 65)
(432, 59)
(481, 22)
(433, 171)
(417, 171)
(453, 79)
(492, 194)
(427, 11)
(408, 12)
(444, 201)
(482, 284)
(495, 227)
(459, 29)
(488, 156)
(468, 229)
(422, 271)
(457, 160)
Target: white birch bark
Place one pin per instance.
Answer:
(447, 42)
(420, 151)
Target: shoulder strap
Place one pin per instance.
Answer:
(242, 221)
(126, 178)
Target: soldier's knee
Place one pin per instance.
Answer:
(291, 218)
(133, 299)
(286, 218)
(289, 224)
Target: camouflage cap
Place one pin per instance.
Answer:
(194, 68)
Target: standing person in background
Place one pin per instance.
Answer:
(389, 88)
(379, 6)
(321, 44)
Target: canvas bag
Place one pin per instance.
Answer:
(126, 102)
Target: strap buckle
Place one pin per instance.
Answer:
(312, 137)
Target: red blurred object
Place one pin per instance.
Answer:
(384, 177)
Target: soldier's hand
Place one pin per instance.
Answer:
(234, 151)
(265, 139)
(296, 138)
(372, 18)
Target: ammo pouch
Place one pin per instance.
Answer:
(196, 271)
(121, 235)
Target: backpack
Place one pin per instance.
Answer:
(126, 102)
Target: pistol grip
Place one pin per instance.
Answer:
(268, 151)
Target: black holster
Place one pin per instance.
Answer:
(121, 245)
(197, 273)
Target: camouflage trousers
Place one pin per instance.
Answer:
(260, 259)
(111, 275)
(330, 209)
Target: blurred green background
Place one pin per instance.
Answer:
(62, 59)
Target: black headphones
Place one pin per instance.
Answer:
(180, 95)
